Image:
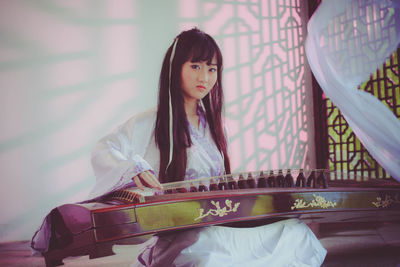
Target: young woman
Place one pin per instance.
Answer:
(185, 139)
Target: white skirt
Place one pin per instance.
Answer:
(284, 243)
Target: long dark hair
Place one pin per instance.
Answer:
(196, 46)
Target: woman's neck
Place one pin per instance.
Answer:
(191, 113)
(191, 108)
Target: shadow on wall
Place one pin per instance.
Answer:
(70, 72)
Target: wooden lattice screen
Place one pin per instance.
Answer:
(345, 151)
(337, 146)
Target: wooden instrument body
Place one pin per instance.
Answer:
(93, 228)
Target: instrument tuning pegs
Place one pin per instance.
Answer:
(288, 181)
(213, 185)
(232, 184)
(322, 180)
(242, 182)
(251, 183)
(280, 179)
(301, 179)
(271, 179)
(222, 185)
(261, 181)
(311, 180)
(193, 188)
(202, 188)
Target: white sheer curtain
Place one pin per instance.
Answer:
(347, 41)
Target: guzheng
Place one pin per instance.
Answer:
(131, 214)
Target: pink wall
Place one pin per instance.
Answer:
(72, 71)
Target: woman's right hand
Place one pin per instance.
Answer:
(146, 179)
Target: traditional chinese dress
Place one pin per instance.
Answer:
(131, 150)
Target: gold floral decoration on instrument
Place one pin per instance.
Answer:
(318, 201)
(218, 211)
(388, 201)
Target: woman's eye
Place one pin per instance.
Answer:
(195, 67)
(212, 69)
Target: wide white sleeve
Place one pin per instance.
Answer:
(118, 157)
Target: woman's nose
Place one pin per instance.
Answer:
(203, 75)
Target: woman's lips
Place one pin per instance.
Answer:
(201, 87)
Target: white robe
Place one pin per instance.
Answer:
(131, 149)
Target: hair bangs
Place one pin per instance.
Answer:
(203, 51)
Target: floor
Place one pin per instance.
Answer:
(363, 246)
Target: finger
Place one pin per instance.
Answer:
(157, 183)
(148, 178)
(138, 183)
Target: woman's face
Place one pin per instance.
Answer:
(198, 78)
